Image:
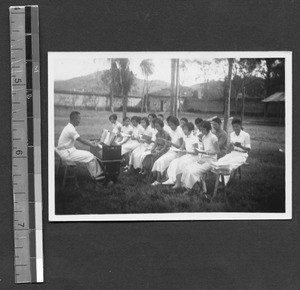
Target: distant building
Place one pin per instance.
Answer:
(159, 101)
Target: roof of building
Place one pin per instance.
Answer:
(277, 97)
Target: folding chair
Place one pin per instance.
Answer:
(70, 172)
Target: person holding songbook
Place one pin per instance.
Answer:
(188, 148)
(162, 163)
(193, 172)
(138, 154)
(126, 131)
(67, 151)
(116, 125)
(239, 146)
(133, 141)
(160, 147)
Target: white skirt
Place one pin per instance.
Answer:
(193, 172)
(138, 155)
(234, 159)
(179, 164)
(81, 156)
(163, 162)
(129, 146)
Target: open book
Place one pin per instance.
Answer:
(200, 150)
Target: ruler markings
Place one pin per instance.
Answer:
(26, 158)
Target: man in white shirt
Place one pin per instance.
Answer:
(67, 151)
(240, 146)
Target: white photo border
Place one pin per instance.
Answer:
(173, 216)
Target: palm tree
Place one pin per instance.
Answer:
(146, 66)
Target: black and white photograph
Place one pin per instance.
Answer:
(169, 135)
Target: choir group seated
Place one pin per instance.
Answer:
(170, 152)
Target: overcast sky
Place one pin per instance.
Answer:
(66, 66)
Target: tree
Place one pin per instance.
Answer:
(147, 69)
(227, 98)
(125, 77)
(174, 86)
(243, 69)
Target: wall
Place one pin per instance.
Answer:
(252, 106)
(90, 101)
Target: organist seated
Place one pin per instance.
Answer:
(67, 151)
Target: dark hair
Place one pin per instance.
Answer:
(184, 119)
(126, 118)
(168, 119)
(160, 115)
(236, 121)
(190, 126)
(152, 115)
(206, 125)
(113, 117)
(73, 115)
(153, 121)
(198, 121)
(173, 120)
(135, 118)
(146, 120)
(217, 120)
(139, 119)
(159, 122)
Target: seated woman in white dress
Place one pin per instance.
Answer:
(133, 142)
(116, 125)
(190, 142)
(240, 146)
(148, 148)
(126, 132)
(67, 151)
(193, 172)
(162, 163)
(137, 156)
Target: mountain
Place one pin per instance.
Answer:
(93, 83)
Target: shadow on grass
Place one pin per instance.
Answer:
(261, 189)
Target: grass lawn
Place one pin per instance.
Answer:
(262, 188)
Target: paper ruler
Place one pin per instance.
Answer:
(26, 144)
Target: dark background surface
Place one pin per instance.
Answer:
(156, 255)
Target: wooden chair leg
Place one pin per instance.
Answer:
(234, 173)
(223, 183)
(75, 176)
(216, 186)
(65, 177)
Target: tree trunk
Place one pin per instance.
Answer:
(243, 105)
(227, 99)
(172, 87)
(111, 100)
(125, 97)
(177, 88)
(146, 98)
(143, 97)
(236, 102)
